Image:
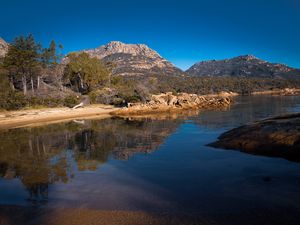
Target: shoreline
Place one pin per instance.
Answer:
(44, 116)
(283, 92)
(34, 117)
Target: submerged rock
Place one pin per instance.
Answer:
(278, 137)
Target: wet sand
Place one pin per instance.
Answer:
(34, 117)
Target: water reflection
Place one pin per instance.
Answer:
(41, 156)
(249, 109)
(85, 162)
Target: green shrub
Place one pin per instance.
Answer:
(70, 101)
(12, 100)
(93, 96)
(118, 101)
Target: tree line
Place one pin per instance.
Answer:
(27, 66)
(26, 61)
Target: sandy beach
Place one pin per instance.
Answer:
(32, 117)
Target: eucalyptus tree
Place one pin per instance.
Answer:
(85, 72)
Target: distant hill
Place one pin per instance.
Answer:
(3, 47)
(243, 66)
(134, 59)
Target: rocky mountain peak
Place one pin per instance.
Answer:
(117, 47)
(133, 59)
(114, 46)
(3, 47)
(246, 57)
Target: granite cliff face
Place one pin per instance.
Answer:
(3, 48)
(246, 66)
(134, 59)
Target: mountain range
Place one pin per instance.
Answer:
(245, 66)
(140, 60)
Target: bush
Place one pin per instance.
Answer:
(114, 96)
(15, 100)
(93, 96)
(118, 101)
(102, 96)
(34, 101)
(70, 101)
(12, 100)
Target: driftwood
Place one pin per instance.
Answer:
(85, 101)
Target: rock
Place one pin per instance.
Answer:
(168, 102)
(173, 100)
(290, 91)
(278, 136)
(227, 94)
(3, 48)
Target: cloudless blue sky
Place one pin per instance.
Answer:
(182, 31)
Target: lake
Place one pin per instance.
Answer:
(155, 165)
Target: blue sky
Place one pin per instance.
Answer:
(184, 32)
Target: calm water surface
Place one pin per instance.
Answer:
(150, 164)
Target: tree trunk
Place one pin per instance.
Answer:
(11, 83)
(24, 85)
(38, 82)
(32, 87)
(109, 80)
(80, 83)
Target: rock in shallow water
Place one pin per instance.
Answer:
(167, 102)
(278, 137)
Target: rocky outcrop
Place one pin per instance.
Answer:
(169, 103)
(134, 59)
(278, 136)
(246, 66)
(3, 48)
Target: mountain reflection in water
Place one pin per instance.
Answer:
(41, 156)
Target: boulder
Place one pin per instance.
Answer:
(278, 137)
